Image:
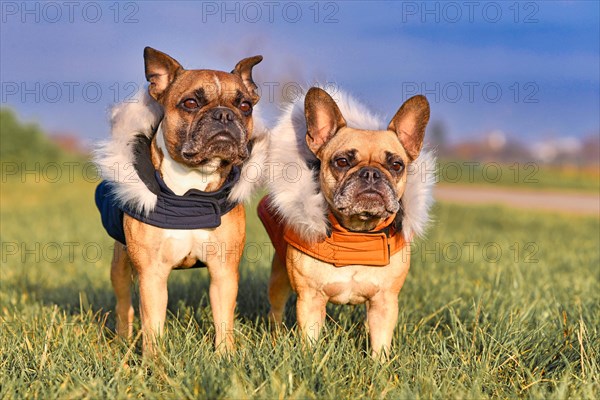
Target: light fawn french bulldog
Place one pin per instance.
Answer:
(362, 176)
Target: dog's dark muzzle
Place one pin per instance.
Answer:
(366, 192)
(218, 134)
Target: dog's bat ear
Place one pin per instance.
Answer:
(323, 118)
(243, 69)
(409, 124)
(161, 70)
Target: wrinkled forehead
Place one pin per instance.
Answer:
(367, 143)
(212, 84)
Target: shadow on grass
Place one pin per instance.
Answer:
(84, 291)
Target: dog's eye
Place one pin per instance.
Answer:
(245, 107)
(342, 162)
(190, 104)
(397, 166)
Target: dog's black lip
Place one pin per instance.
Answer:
(222, 136)
(367, 214)
(194, 164)
(202, 161)
(342, 210)
(370, 191)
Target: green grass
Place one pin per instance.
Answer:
(528, 176)
(522, 324)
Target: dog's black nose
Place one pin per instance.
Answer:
(223, 114)
(369, 174)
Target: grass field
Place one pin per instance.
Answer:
(498, 304)
(526, 176)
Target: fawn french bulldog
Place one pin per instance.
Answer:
(352, 244)
(185, 146)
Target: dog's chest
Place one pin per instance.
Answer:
(196, 244)
(353, 284)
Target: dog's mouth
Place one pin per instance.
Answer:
(365, 214)
(209, 164)
(222, 145)
(364, 209)
(370, 195)
(362, 220)
(222, 136)
(367, 203)
(209, 161)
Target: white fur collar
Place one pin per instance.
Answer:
(115, 157)
(180, 178)
(295, 189)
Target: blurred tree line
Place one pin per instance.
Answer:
(26, 143)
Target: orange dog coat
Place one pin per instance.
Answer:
(341, 248)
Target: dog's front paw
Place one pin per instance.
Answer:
(225, 349)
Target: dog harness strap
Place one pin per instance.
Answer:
(342, 248)
(194, 210)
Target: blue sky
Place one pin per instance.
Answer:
(530, 69)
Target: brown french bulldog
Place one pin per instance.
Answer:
(363, 174)
(204, 133)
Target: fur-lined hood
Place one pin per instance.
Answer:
(295, 188)
(142, 116)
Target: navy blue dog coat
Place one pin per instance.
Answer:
(194, 210)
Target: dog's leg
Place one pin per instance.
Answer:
(310, 311)
(153, 304)
(223, 257)
(151, 259)
(120, 276)
(223, 290)
(367, 307)
(382, 316)
(279, 291)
